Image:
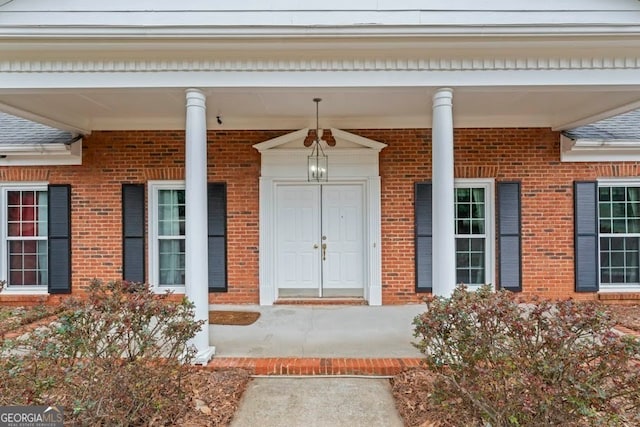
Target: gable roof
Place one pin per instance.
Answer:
(16, 130)
(621, 127)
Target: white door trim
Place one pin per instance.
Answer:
(353, 160)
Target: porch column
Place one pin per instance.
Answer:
(444, 251)
(196, 265)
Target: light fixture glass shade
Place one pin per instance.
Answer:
(318, 165)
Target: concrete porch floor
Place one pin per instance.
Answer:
(318, 340)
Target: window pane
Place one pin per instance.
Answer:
(470, 261)
(619, 260)
(462, 245)
(604, 194)
(463, 195)
(28, 263)
(463, 227)
(619, 226)
(618, 193)
(477, 227)
(477, 245)
(171, 262)
(478, 195)
(462, 211)
(463, 276)
(171, 213)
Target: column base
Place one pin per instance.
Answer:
(203, 357)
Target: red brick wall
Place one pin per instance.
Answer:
(528, 155)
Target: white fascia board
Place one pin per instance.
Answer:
(599, 150)
(41, 154)
(115, 79)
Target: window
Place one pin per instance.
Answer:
(24, 237)
(167, 223)
(470, 229)
(619, 235)
(474, 235)
(167, 235)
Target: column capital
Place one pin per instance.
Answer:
(195, 97)
(443, 97)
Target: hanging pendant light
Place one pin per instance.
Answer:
(317, 162)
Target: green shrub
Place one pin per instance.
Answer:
(115, 358)
(506, 363)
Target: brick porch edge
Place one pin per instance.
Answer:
(315, 365)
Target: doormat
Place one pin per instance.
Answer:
(238, 318)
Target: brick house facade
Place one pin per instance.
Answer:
(528, 156)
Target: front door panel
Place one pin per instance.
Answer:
(297, 231)
(342, 215)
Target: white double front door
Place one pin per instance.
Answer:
(319, 240)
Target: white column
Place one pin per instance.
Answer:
(196, 259)
(444, 252)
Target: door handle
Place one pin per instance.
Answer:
(324, 251)
(315, 246)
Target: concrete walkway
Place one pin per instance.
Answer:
(315, 340)
(317, 402)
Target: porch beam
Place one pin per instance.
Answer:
(444, 264)
(196, 248)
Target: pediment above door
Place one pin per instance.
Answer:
(344, 141)
(352, 156)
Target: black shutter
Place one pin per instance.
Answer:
(133, 254)
(586, 236)
(217, 236)
(509, 236)
(424, 237)
(59, 238)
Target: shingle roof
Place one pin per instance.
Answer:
(624, 126)
(16, 130)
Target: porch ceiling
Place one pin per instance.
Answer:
(346, 107)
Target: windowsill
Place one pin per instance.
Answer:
(619, 289)
(26, 290)
(173, 289)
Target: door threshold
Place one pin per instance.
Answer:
(321, 301)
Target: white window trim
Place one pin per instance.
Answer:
(621, 182)
(152, 225)
(488, 184)
(4, 269)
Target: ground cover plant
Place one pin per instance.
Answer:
(118, 357)
(491, 360)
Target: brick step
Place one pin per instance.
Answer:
(316, 365)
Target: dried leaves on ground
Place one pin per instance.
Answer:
(627, 315)
(213, 396)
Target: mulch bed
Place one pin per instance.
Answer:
(627, 315)
(213, 396)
